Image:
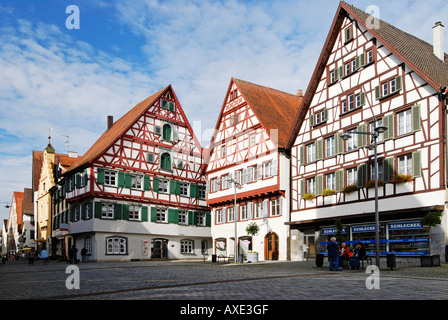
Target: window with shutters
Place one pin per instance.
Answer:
(352, 140)
(348, 32)
(184, 189)
(161, 215)
(311, 185)
(329, 146)
(183, 217)
(380, 170)
(310, 152)
(259, 206)
(319, 117)
(166, 132)
(107, 211)
(163, 185)
(275, 207)
(352, 176)
(134, 212)
(231, 214)
(244, 215)
(404, 122)
(110, 178)
(388, 88)
(136, 182)
(220, 216)
(405, 164)
(379, 122)
(201, 192)
(330, 181)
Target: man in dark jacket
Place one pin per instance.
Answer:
(333, 254)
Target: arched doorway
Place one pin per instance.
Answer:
(271, 246)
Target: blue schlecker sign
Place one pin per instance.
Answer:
(368, 228)
(405, 225)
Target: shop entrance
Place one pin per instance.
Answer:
(159, 248)
(309, 248)
(271, 246)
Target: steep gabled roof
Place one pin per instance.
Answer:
(416, 53)
(274, 109)
(120, 127)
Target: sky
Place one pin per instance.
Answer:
(64, 81)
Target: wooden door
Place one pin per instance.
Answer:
(271, 246)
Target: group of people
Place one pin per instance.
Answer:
(336, 255)
(32, 254)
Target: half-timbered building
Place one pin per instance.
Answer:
(138, 192)
(248, 166)
(370, 74)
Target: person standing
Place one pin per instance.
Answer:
(83, 254)
(31, 257)
(44, 255)
(333, 254)
(73, 254)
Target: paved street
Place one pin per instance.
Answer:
(176, 280)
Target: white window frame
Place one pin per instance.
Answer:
(404, 122)
(110, 178)
(275, 207)
(107, 210)
(135, 213)
(405, 164)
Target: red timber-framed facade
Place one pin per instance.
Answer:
(138, 192)
(367, 73)
(249, 147)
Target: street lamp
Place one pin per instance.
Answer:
(375, 134)
(236, 185)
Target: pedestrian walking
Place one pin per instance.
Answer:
(83, 254)
(333, 254)
(44, 255)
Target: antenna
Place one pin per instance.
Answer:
(67, 142)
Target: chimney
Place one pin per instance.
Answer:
(299, 93)
(110, 122)
(72, 154)
(438, 41)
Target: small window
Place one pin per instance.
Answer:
(116, 245)
(348, 34)
(405, 164)
(165, 161)
(166, 135)
(110, 178)
(187, 246)
(107, 211)
(275, 207)
(183, 217)
(352, 140)
(161, 215)
(329, 146)
(352, 176)
(163, 185)
(134, 212)
(310, 152)
(404, 122)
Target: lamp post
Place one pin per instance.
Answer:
(375, 134)
(236, 185)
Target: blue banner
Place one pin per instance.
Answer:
(368, 228)
(328, 231)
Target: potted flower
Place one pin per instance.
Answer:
(350, 188)
(328, 192)
(252, 229)
(309, 196)
(402, 178)
(371, 183)
(432, 219)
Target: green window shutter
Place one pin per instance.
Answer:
(120, 179)
(173, 216)
(377, 92)
(72, 184)
(155, 184)
(398, 83)
(165, 104)
(125, 212)
(416, 118)
(171, 106)
(362, 138)
(362, 175)
(172, 187)
(145, 213)
(118, 208)
(339, 143)
(86, 177)
(416, 164)
(72, 213)
(362, 59)
(98, 210)
(312, 119)
(194, 191)
(153, 214)
(325, 115)
(302, 155)
(167, 132)
(208, 219)
(389, 122)
(78, 180)
(100, 176)
(339, 180)
(319, 149)
(146, 183)
(128, 180)
(302, 184)
(191, 218)
(341, 72)
(357, 62)
(319, 184)
(388, 169)
(166, 161)
(363, 98)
